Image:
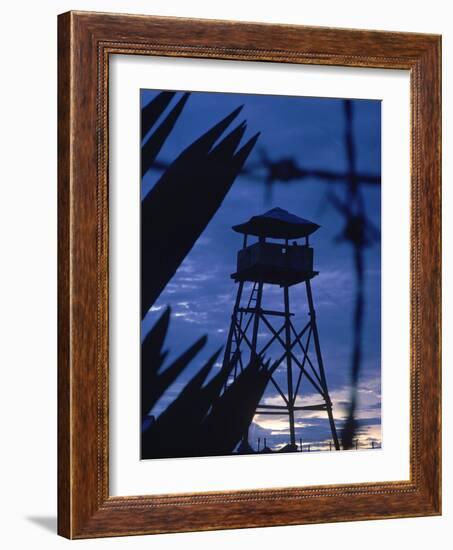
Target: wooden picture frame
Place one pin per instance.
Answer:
(85, 42)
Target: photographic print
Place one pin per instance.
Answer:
(260, 274)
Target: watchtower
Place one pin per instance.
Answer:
(253, 332)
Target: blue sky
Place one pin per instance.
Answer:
(309, 130)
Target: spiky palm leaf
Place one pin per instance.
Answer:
(180, 205)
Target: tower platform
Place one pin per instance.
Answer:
(275, 263)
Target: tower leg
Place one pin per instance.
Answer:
(321, 364)
(227, 354)
(256, 324)
(289, 370)
(256, 321)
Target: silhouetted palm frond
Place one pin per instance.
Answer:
(152, 111)
(233, 412)
(180, 205)
(176, 429)
(153, 382)
(156, 140)
(174, 214)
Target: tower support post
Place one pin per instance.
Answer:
(256, 321)
(227, 354)
(289, 369)
(322, 373)
(256, 324)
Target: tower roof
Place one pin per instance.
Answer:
(277, 224)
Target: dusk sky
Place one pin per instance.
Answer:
(201, 294)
